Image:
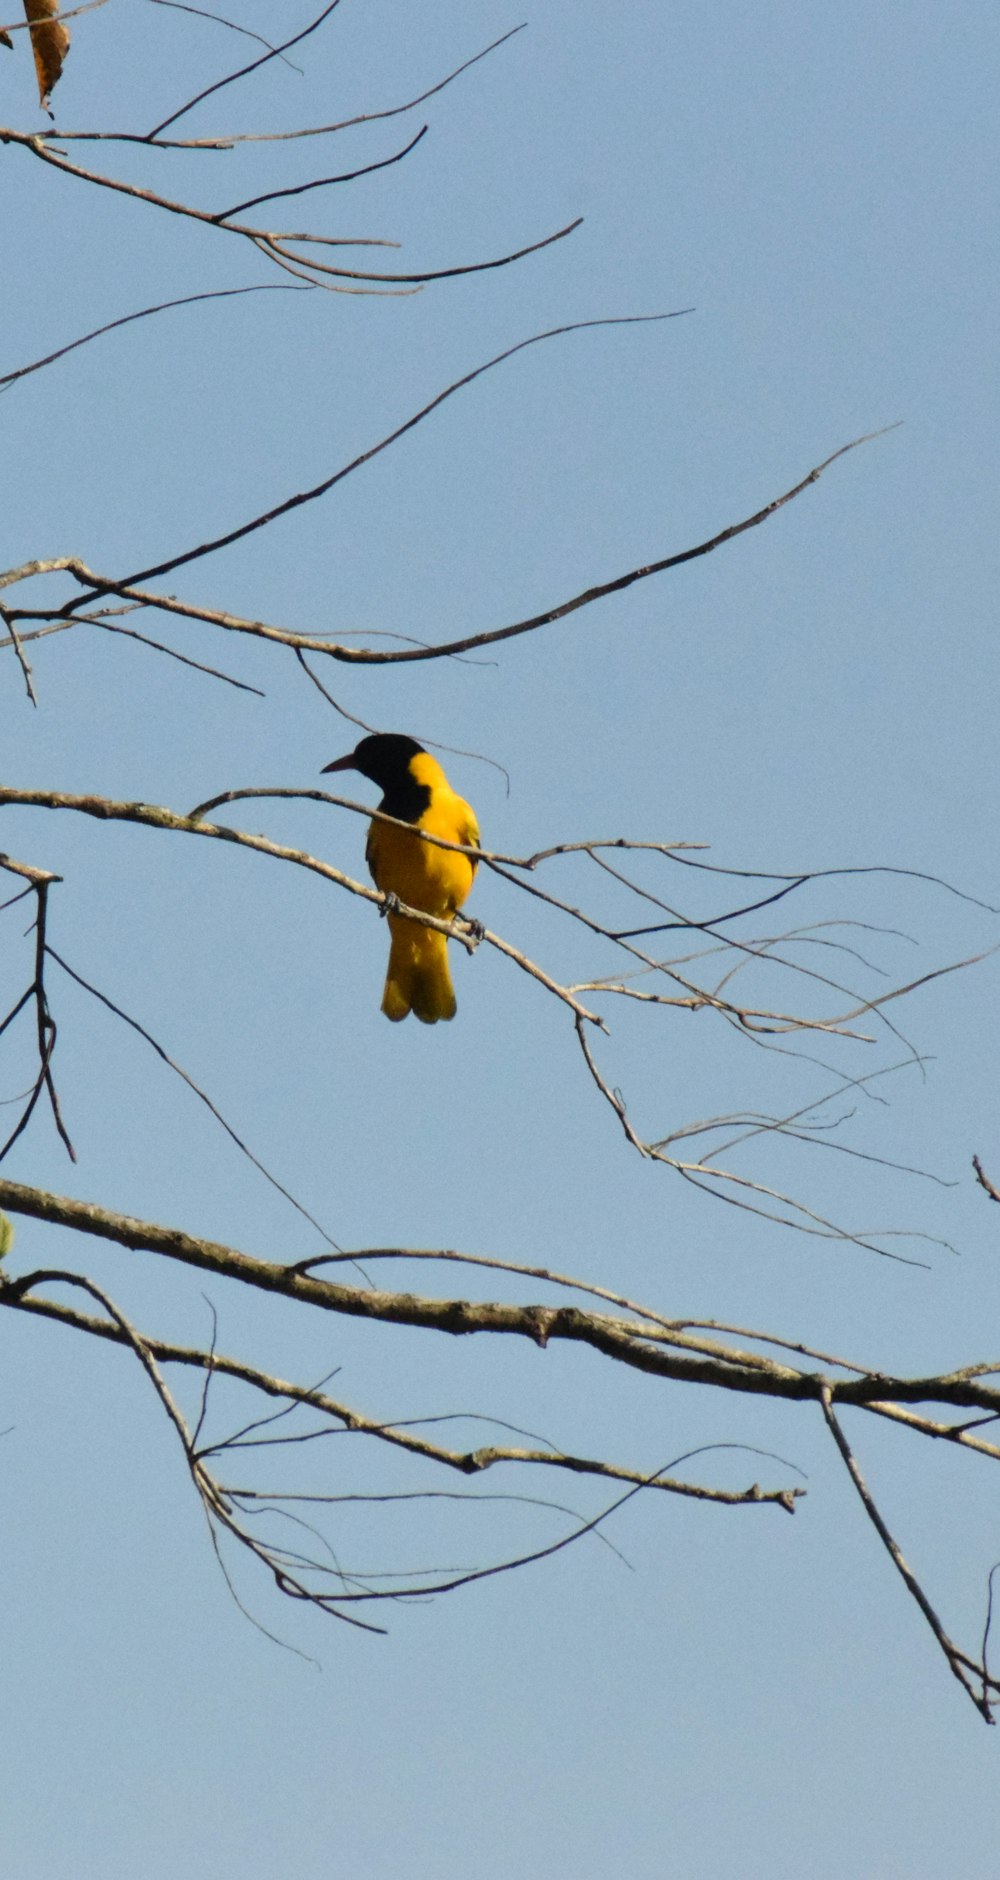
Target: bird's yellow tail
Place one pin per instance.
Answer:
(419, 978)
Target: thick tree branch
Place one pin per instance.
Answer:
(640, 1345)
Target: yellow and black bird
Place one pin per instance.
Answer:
(415, 790)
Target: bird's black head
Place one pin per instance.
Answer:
(384, 757)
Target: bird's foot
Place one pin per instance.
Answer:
(391, 904)
(474, 930)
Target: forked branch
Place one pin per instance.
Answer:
(729, 1359)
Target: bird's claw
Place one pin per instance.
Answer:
(391, 904)
(475, 931)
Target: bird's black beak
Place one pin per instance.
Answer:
(339, 763)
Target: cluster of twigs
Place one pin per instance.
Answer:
(726, 1357)
(291, 250)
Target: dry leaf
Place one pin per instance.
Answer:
(49, 43)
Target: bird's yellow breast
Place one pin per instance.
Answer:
(435, 880)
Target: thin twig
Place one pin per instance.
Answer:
(21, 655)
(144, 313)
(186, 1078)
(279, 245)
(958, 1663)
(157, 569)
(179, 6)
(41, 880)
(273, 137)
(323, 182)
(273, 52)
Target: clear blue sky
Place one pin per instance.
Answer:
(750, 1693)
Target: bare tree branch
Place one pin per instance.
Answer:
(395, 1435)
(203, 1096)
(130, 588)
(273, 52)
(41, 880)
(271, 137)
(648, 1342)
(144, 313)
(656, 1348)
(278, 245)
(154, 817)
(179, 6)
(22, 660)
(984, 1180)
(323, 182)
(961, 1666)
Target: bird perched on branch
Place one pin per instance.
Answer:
(415, 790)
